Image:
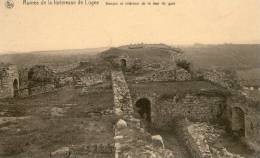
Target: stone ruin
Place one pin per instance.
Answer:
(163, 95)
(217, 99)
(9, 81)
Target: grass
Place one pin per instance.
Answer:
(44, 133)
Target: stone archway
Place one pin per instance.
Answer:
(238, 121)
(123, 64)
(143, 106)
(15, 87)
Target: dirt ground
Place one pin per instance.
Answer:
(172, 142)
(34, 127)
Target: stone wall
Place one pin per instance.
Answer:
(8, 75)
(64, 68)
(167, 75)
(65, 80)
(122, 98)
(23, 77)
(25, 92)
(92, 149)
(93, 78)
(131, 140)
(203, 140)
(196, 145)
(176, 74)
(250, 118)
(195, 107)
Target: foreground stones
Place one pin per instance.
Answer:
(63, 152)
(158, 140)
(121, 124)
(131, 142)
(57, 111)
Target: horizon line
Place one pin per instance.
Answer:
(190, 44)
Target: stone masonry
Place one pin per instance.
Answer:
(9, 81)
(130, 139)
(122, 98)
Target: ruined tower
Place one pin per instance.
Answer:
(9, 81)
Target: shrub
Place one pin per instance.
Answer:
(183, 64)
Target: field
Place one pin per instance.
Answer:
(39, 125)
(54, 58)
(232, 56)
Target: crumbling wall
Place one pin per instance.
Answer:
(130, 139)
(30, 91)
(251, 119)
(202, 139)
(176, 74)
(167, 105)
(122, 98)
(23, 76)
(8, 75)
(195, 107)
(196, 144)
(182, 75)
(88, 150)
(87, 74)
(64, 80)
(167, 75)
(64, 68)
(93, 78)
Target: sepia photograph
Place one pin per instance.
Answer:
(129, 79)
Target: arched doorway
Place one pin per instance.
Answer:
(238, 121)
(143, 106)
(123, 64)
(15, 87)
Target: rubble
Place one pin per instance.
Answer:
(63, 152)
(121, 124)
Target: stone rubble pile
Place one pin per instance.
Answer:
(75, 151)
(205, 136)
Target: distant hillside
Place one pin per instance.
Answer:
(251, 76)
(240, 57)
(57, 57)
(233, 56)
(149, 53)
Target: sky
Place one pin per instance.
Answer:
(34, 28)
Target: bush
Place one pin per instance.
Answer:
(183, 64)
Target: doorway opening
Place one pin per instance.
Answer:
(238, 121)
(123, 64)
(143, 106)
(15, 87)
